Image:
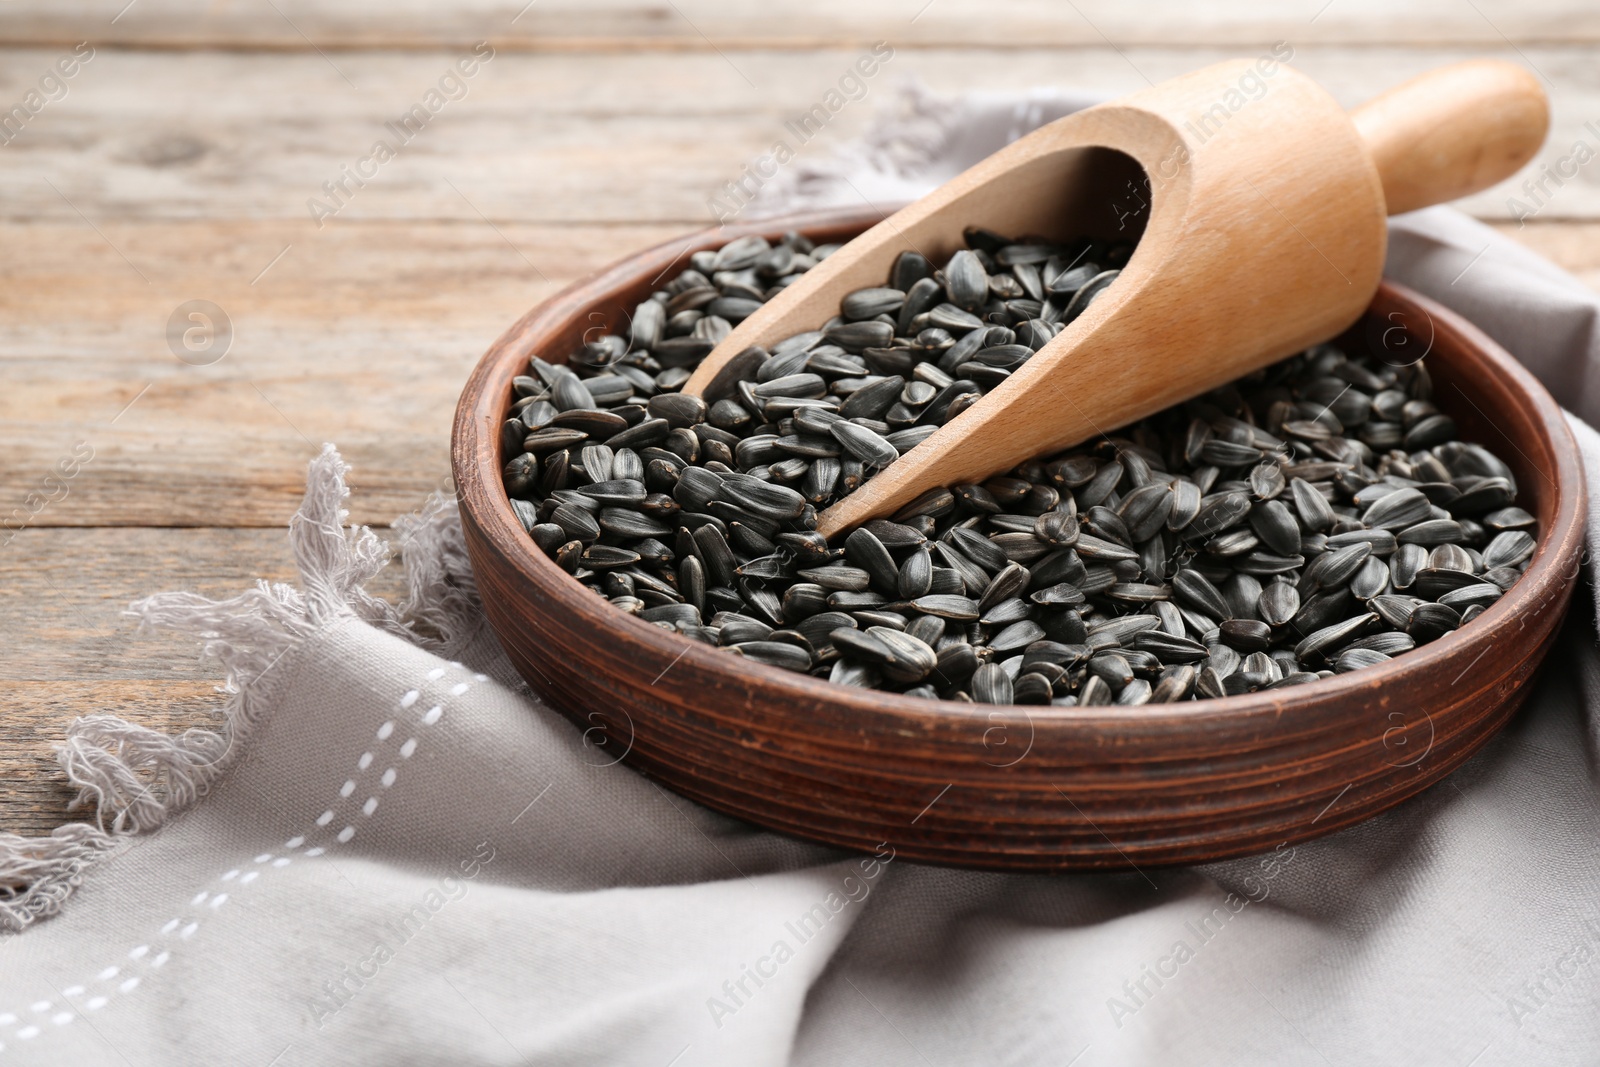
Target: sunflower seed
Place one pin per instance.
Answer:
(1246, 635)
(1397, 510)
(1175, 684)
(1136, 692)
(628, 524)
(1382, 542)
(871, 448)
(1354, 659)
(966, 282)
(1267, 481)
(775, 654)
(1278, 604)
(578, 523)
(1196, 591)
(1481, 594)
(1335, 568)
(1094, 692)
(676, 614)
(1389, 643)
(640, 435)
(909, 268)
(548, 535)
(1016, 636)
(1509, 519)
(1317, 645)
(622, 493)
(1433, 532)
(569, 392)
(991, 685)
(870, 303)
(521, 474)
(1429, 622)
(528, 516)
(1145, 511)
(1371, 580)
(1031, 688)
(762, 498)
(1209, 684)
(677, 409)
(1258, 671)
(1169, 648)
(1404, 565)
(864, 550)
(909, 659)
(1433, 582)
(1243, 593)
(1112, 668)
(1451, 558)
(1276, 526)
(1087, 295)
(1508, 549)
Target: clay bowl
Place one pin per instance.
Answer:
(1014, 788)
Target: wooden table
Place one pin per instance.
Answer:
(179, 163)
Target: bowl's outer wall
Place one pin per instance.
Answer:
(1020, 788)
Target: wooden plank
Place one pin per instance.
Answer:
(566, 138)
(361, 337)
(63, 593)
(709, 24)
(71, 651)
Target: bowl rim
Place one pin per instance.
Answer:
(475, 458)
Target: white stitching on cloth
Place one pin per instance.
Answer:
(95, 993)
(135, 777)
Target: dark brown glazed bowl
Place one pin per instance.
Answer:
(1023, 788)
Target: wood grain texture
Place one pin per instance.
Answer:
(1454, 131)
(361, 337)
(1094, 787)
(629, 138)
(550, 25)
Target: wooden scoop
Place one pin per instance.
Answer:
(1260, 220)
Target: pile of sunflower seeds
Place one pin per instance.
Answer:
(1315, 517)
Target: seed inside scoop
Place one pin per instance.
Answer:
(1316, 517)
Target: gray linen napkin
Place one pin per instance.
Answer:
(392, 854)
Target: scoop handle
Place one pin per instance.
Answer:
(1453, 131)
